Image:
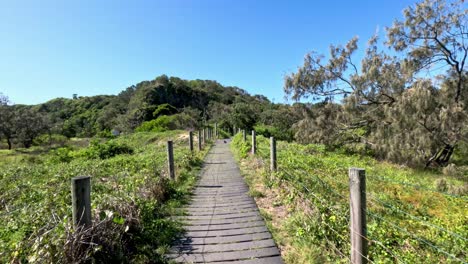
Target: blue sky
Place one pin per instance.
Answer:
(57, 48)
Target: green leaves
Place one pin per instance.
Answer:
(118, 220)
(128, 196)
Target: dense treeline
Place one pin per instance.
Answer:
(164, 103)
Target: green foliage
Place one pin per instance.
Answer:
(403, 205)
(50, 140)
(194, 102)
(106, 150)
(106, 133)
(162, 123)
(131, 202)
(243, 147)
(405, 115)
(164, 109)
(223, 134)
(64, 154)
(271, 131)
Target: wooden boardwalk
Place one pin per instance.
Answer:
(223, 223)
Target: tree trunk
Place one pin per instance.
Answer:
(442, 157)
(445, 155)
(9, 143)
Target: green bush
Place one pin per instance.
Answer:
(242, 146)
(164, 110)
(53, 139)
(106, 150)
(106, 133)
(271, 131)
(64, 154)
(160, 124)
(223, 134)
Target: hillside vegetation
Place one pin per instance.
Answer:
(165, 103)
(132, 199)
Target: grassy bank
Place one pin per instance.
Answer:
(413, 216)
(131, 199)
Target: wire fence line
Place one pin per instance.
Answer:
(424, 222)
(341, 235)
(306, 183)
(323, 203)
(417, 187)
(416, 237)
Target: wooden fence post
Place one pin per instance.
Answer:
(191, 140)
(216, 130)
(199, 140)
(81, 200)
(170, 159)
(272, 154)
(357, 188)
(204, 136)
(244, 135)
(254, 143)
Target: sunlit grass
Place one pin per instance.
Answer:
(409, 219)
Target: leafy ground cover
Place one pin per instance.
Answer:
(414, 216)
(131, 199)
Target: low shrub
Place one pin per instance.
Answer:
(106, 150)
(64, 154)
(49, 140)
(271, 131)
(160, 124)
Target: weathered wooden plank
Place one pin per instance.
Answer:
(225, 256)
(223, 202)
(190, 249)
(217, 208)
(244, 210)
(225, 226)
(223, 221)
(211, 205)
(201, 217)
(221, 194)
(266, 260)
(227, 232)
(226, 239)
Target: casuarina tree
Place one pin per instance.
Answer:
(390, 103)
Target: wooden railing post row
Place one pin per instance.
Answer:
(199, 140)
(358, 228)
(272, 154)
(170, 159)
(81, 200)
(191, 140)
(254, 143)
